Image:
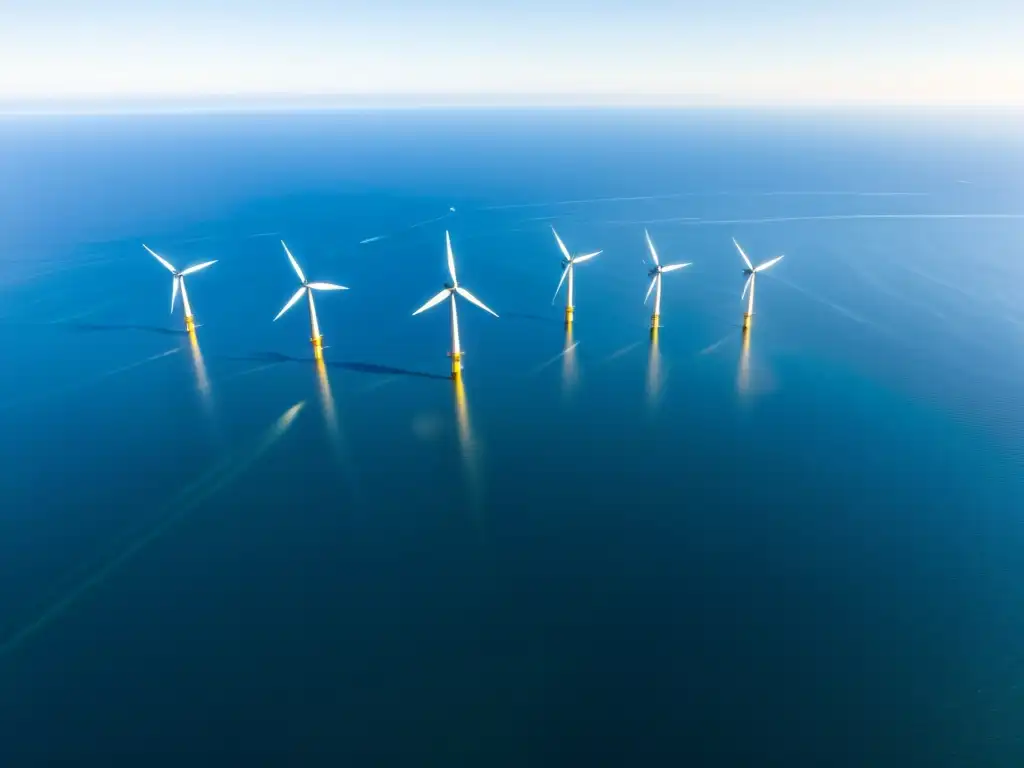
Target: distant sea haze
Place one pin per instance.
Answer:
(361, 101)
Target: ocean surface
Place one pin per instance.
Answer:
(802, 546)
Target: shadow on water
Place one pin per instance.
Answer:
(358, 367)
(96, 327)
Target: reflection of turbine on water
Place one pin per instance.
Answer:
(203, 386)
(202, 380)
(743, 380)
(183, 502)
(327, 401)
(334, 434)
(468, 447)
(570, 369)
(655, 378)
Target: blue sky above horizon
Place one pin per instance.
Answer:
(728, 52)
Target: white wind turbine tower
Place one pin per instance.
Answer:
(307, 288)
(751, 272)
(179, 282)
(656, 272)
(568, 265)
(449, 292)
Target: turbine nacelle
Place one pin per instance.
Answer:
(178, 279)
(748, 285)
(306, 287)
(655, 274)
(452, 287)
(750, 269)
(569, 262)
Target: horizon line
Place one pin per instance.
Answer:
(271, 102)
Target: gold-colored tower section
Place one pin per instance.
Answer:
(456, 364)
(746, 321)
(318, 347)
(568, 315)
(190, 324)
(655, 322)
(654, 331)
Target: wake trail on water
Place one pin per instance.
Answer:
(715, 345)
(847, 313)
(554, 359)
(417, 225)
(88, 382)
(80, 315)
(620, 352)
(677, 195)
(173, 511)
(690, 221)
(247, 372)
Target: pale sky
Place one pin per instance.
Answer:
(719, 51)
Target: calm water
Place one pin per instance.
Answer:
(801, 549)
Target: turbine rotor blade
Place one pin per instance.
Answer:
(674, 267)
(565, 251)
(295, 264)
(651, 288)
(174, 293)
(161, 259)
(434, 301)
(763, 267)
(451, 257)
(470, 297)
(561, 280)
(746, 285)
(198, 267)
(586, 257)
(291, 302)
(745, 259)
(326, 287)
(654, 253)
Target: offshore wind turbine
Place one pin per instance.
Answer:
(449, 292)
(751, 272)
(655, 274)
(307, 288)
(179, 283)
(568, 265)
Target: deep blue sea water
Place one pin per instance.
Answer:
(802, 547)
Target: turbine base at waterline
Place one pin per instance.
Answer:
(456, 364)
(318, 347)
